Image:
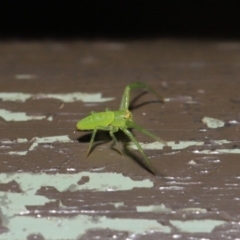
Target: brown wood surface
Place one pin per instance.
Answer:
(196, 186)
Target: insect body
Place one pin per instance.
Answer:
(113, 121)
(115, 118)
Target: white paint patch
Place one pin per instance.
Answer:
(18, 116)
(175, 146)
(22, 140)
(213, 122)
(171, 188)
(154, 208)
(36, 141)
(197, 226)
(25, 76)
(219, 151)
(118, 204)
(63, 97)
(183, 99)
(163, 209)
(194, 210)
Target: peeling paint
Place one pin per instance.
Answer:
(36, 141)
(51, 139)
(68, 228)
(213, 122)
(69, 182)
(219, 151)
(15, 96)
(171, 188)
(63, 97)
(13, 204)
(154, 208)
(149, 146)
(13, 210)
(18, 116)
(118, 204)
(25, 76)
(184, 99)
(20, 153)
(163, 209)
(22, 140)
(197, 226)
(195, 210)
(184, 144)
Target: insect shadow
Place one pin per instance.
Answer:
(104, 137)
(132, 105)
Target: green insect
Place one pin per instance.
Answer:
(121, 119)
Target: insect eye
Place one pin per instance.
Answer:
(128, 115)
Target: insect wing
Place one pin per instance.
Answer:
(101, 119)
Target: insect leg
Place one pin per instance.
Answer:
(126, 94)
(111, 131)
(132, 138)
(91, 141)
(131, 124)
(115, 129)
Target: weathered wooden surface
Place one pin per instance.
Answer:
(49, 190)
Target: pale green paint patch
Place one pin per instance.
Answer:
(36, 141)
(13, 210)
(13, 204)
(75, 227)
(69, 182)
(213, 122)
(29, 183)
(197, 226)
(15, 96)
(63, 97)
(18, 116)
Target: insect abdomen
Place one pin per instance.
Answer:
(101, 119)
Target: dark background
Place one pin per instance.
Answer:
(119, 19)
